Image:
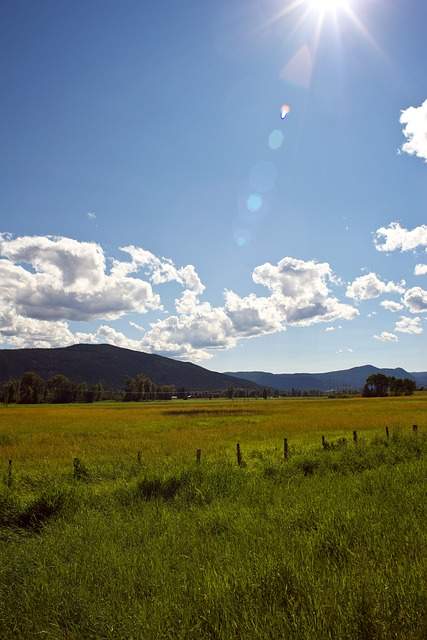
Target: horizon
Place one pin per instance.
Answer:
(241, 185)
(106, 344)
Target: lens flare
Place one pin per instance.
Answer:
(284, 110)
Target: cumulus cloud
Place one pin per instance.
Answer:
(371, 286)
(416, 300)
(328, 329)
(20, 332)
(391, 305)
(414, 120)
(55, 278)
(301, 291)
(253, 315)
(420, 270)
(299, 295)
(408, 325)
(47, 281)
(397, 238)
(386, 336)
(159, 270)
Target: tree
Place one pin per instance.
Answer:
(230, 392)
(31, 388)
(60, 389)
(376, 385)
(10, 391)
(379, 385)
(137, 388)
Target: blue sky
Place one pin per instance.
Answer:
(157, 120)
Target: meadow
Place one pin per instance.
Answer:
(137, 540)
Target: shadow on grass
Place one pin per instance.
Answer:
(34, 515)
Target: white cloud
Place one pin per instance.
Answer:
(415, 130)
(55, 278)
(19, 332)
(371, 286)
(328, 329)
(160, 270)
(386, 336)
(47, 281)
(253, 315)
(91, 215)
(397, 238)
(301, 291)
(420, 270)
(391, 305)
(299, 296)
(416, 300)
(408, 325)
(191, 335)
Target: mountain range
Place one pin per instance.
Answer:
(353, 378)
(93, 363)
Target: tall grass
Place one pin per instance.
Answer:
(330, 545)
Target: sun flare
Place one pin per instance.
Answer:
(325, 6)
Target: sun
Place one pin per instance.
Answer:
(328, 6)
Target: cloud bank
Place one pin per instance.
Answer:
(46, 282)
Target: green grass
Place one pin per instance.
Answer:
(329, 545)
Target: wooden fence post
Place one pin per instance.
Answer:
(239, 455)
(355, 437)
(285, 449)
(76, 468)
(139, 457)
(324, 442)
(387, 433)
(9, 474)
(415, 429)
(198, 455)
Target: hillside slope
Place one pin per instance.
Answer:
(353, 378)
(111, 365)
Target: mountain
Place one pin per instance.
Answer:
(420, 378)
(333, 380)
(110, 365)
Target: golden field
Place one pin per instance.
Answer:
(51, 435)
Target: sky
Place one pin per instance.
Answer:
(152, 197)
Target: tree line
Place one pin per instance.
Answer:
(33, 389)
(58, 389)
(379, 385)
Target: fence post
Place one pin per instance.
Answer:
(387, 433)
(139, 457)
(285, 449)
(76, 468)
(324, 442)
(198, 455)
(9, 474)
(355, 437)
(239, 455)
(415, 429)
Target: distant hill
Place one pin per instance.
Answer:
(333, 380)
(93, 363)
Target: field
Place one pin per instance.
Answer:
(136, 540)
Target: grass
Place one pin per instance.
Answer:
(328, 545)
